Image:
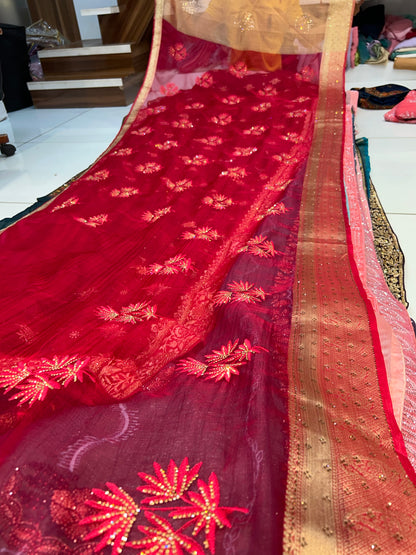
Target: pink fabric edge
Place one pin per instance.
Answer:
(395, 330)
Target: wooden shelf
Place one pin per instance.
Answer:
(100, 11)
(85, 93)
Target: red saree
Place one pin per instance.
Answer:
(189, 358)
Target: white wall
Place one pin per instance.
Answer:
(88, 25)
(14, 12)
(395, 7)
(400, 7)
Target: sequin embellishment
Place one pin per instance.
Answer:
(34, 378)
(221, 364)
(175, 265)
(131, 314)
(205, 233)
(117, 512)
(239, 291)
(93, 221)
(260, 246)
(70, 202)
(219, 202)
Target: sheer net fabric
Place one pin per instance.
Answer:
(284, 26)
(178, 376)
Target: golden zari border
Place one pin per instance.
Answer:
(347, 490)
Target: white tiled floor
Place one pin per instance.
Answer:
(54, 145)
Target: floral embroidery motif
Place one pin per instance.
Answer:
(170, 89)
(168, 486)
(278, 185)
(183, 123)
(297, 113)
(115, 519)
(156, 110)
(301, 99)
(34, 378)
(197, 160)
(239, 70)
(255, 130)
(221, 364)
(93, 221)
(70, 202)
(263, 107)
(294, 137)
(268, 90)
(260, 246)
(167, 145)
(205, 80)
(178, 51)
(231, 100)
(195, 106)
(65, 369)
(210, 141)
(154, 216)
(98, 176)
(122, 152)
(221, 119)
(146, 130)
(124, 192)
(240, 291)
(244, 151)
(163, 539)
(179, 186)
(174, 265)
(205, 511)
(116, 513)
(235, 173)
(217, 201)
(278, 208)
(149, 167)
(26, 333)
(205, 233)
(131, 314)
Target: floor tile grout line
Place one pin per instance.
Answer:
(50, 129)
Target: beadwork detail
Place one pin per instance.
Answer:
(93, 221)
(70, 202)
(174, 265)
(260, 246)
(170, 485)
(221, 364)
(240, 292)
(116, 512)
(205, 233)
(33, 379)
(131, 314)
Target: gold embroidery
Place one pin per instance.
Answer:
(240, 292)
(124, 192)
(70, 202)
(179, 186)
(131, 314)
(152, 217)
(205, 233)
(93, 221)
(217, 201)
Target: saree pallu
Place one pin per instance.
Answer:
(194, 358)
